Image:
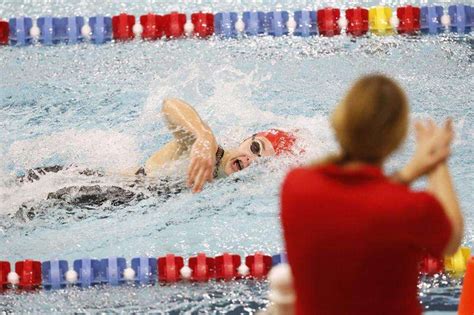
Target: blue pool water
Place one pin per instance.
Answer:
(99, 107)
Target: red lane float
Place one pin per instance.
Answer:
(4, 271)
(29, 272)
(357, 21)
(409, 18)
(227, 266)
(327, 21)
(203, 24)
(203, 268)
(153, 26)
(122, 26)
(259, 265)
(174, 24)
(430, 265)
(4, 32)
(169, 268)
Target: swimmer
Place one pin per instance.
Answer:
(194, 140)
(194, 143)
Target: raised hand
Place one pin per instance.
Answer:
(433, 147)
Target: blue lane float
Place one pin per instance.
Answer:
(224, 24)
(145, 269)
(430, 20)
(277, 23)
(88, 272)
(279, 259)
(461, 18)
(20, 31)
(254, 23)
(112, 269)
(69, 29)
(49, 30)
(54, 272)
(101, 29)
(306, 23)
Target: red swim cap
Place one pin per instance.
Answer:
(281, 141)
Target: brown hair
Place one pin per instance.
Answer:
(371, 121)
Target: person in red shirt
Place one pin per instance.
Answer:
(354, 236)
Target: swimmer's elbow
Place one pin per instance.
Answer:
(169, 104)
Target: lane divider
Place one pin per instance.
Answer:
(31, 275)
(329, 21)
(455, 264)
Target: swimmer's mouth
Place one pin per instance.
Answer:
(238, 165)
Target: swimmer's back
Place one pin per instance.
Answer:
(356, 239)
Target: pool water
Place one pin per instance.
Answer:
(98, 107)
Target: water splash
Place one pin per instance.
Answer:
(99, 149)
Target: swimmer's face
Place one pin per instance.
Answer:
(250, 149)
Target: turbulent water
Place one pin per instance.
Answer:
(98, 107)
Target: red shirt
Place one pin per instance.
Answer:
(354, 240)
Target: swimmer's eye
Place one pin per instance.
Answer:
(256, 148)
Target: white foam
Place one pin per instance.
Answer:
(106, 149)
(227, 105)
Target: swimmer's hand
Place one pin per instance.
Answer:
(203, 161)
(433, 147)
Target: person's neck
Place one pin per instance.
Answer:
(358, 164)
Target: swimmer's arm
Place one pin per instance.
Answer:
(185, 123)
(193, 134)
(169, 152)
(187, 127)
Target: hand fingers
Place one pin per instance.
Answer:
(210, 171)
(201, 177)
(419, 130)
(424, 129)
(437, 136)
(448, 126)
(444, 135)
(429, 128)
(199, 181)
(210, 176)
(449, 123)
(200, 173)
(430, 124)
(192, 171)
